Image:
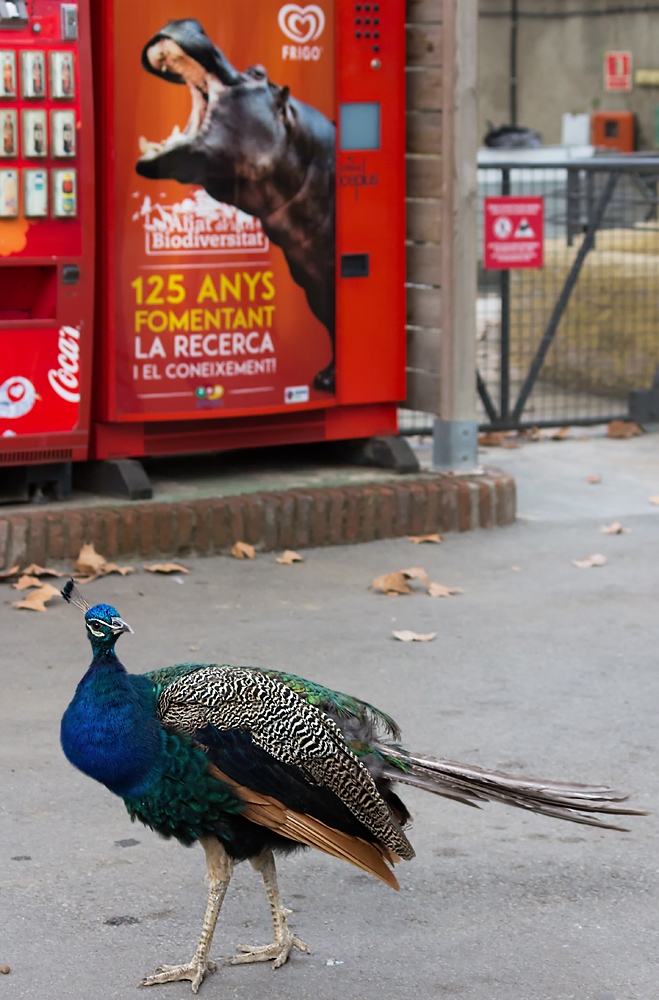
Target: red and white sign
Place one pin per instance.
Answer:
(617, 71)
(513, 232)
(39, 381)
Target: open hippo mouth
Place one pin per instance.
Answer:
(183, 53)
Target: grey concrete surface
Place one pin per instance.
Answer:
(548, 670)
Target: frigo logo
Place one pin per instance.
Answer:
(301, 24)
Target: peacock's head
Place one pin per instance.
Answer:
(104, 626)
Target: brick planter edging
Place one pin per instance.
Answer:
(295, 519)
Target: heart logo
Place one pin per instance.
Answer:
(16, 391)
(301, 24)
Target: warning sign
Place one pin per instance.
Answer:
(513, 232)
(617, 71)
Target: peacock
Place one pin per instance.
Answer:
(251, 761)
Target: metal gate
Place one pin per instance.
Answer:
(565, 344)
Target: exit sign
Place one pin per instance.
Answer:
(617, 71)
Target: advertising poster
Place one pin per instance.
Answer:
(39, 381)
(224, 154)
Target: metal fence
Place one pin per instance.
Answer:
(565, 343)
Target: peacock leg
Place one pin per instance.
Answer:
(220, 869)
(284, 942)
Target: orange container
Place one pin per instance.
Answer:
(614, 130)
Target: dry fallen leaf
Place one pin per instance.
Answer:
(89, 562)
(406, 636)
(439, 590)
(241, 550)
(615, 528)
(593, 479)
(5, 970)
(597, 560)
(417, 539)
(654, 500)
(35, 570)
(90, 565)
(25, 581)
(14, 571)
(417, 573)
(289, 557)
(392, 583)
(36, 599)
(165, 568)
(561, 434)
(497, 439)
(623, 429)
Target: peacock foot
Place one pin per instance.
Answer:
(279, 951)
(194, 970)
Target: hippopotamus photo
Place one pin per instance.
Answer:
(249, 143)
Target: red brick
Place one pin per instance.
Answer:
(302, 527)
(287, 521)
(506, 499)
(336, 502)
(433, 501)
(448, 504)
(221, 526)
(384, 518)
(485, 519)
(184, 529)
(18, 544)
(368, 511)
(165, 527)
(4, 539)
(417, 509)
(76, 526)
(351, 515)
(464, 506)
(236, 519)
(402, 509)
(111, 533)
(128, 531)
(95, 530)
(147, 522)
(202, 526)
(253, 517)
(271, 514)
(37, 543)
(320, 508)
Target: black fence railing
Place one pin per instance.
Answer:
(566, 343)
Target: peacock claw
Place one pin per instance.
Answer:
(194, 970)
(279, 951)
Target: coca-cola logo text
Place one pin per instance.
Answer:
(64, 380)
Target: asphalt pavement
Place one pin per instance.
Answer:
(538, 667)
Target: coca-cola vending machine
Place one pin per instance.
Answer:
(46, 242)
(251, 223)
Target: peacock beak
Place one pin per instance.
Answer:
(118, 625)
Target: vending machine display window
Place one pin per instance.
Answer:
(34, 132)
(63, 134)
(62, 79)
(35, 194)
(7, 73)
(65, 194)
(8, 133)
(33, 74)
(8, 194)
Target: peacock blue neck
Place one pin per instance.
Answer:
(110, 730)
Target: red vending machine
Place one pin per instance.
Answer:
(251, 223)
(46, 240)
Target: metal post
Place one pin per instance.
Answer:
(455, 434)
(504, 341)
(513, 61)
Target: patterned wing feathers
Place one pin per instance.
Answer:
(290, 730)
(268, 812)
